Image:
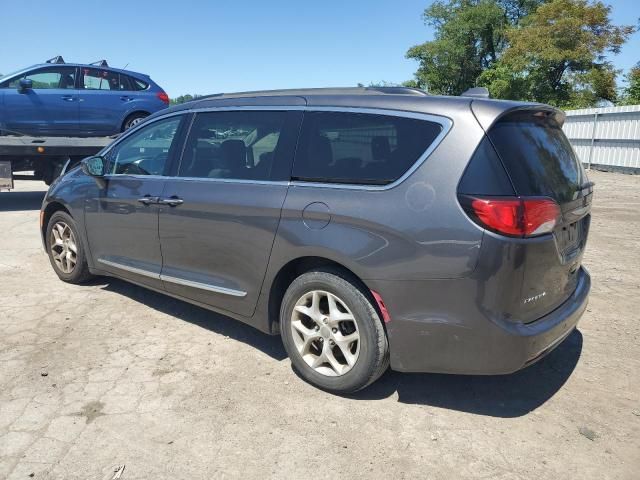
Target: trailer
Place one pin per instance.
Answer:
(43, 158)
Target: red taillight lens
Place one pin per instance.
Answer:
(164, 97)
(514, 216)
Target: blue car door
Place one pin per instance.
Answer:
(50, 107)
(102, 102)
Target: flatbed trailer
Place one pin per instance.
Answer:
(45, 157)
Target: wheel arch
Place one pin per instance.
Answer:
(298, 266)
(139, 111)
(47, 213)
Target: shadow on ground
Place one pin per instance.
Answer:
(497, 395)
(20, 201)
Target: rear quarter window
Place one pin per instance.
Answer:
(360, 148)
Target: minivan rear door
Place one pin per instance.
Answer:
(220, 212)
(541, 163)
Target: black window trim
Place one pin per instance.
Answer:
(445, 122)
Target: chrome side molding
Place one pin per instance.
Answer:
(178, 281)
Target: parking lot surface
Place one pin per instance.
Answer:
(106, 375)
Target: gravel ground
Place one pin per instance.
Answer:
(99, 376)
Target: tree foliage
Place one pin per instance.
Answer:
(183, 99)
(470, 36)
(631, 93)
(550, 51)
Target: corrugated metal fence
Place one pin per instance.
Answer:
(606, 138)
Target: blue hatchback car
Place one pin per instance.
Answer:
(70, 99)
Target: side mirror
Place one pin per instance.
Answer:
(93, 166)
(24, 85)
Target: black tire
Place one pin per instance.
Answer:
(373, 358)
(133, 119)
(80, 272)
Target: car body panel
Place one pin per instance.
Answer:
(446, 282)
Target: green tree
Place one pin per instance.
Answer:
(469, 38)
(183, 98)
(557, 56)
(631, 93)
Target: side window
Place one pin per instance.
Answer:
(98, 79)
(133, 83)
(146, 151)
(48, 78)
(341, 147)
(235, 145)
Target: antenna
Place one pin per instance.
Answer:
(125, 67)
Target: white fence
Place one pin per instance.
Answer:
(606, 138)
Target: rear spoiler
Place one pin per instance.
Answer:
(487, 113)
(476, 92)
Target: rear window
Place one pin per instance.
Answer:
(342, 147)
(538, 156)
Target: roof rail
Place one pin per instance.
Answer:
(56, 59)
(100, 63)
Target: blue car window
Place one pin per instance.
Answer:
(47, 78)
(98, 79)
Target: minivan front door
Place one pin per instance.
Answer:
(122, 218)
(232, 181)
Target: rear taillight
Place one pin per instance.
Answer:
(164, 97)
(513, 216)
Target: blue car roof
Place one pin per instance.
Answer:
(119, 70)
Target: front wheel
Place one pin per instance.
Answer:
(65, 249)
(332, 332)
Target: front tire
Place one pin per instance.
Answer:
(332, 332)
(65, 250)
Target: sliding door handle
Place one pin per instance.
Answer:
(148, 200)
(171, 201)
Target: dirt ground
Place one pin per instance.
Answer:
(99, 376)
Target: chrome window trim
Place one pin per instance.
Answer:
(179, 281)
(445, 122)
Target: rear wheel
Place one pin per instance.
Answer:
(332, 332)
(133, 120)
(65, 250)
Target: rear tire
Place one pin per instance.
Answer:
(133, 120)
(65, 249)
(332, 332)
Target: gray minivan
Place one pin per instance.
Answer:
(368, 227)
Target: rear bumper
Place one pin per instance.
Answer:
(455, 336)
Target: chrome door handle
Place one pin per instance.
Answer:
(68, 98)
(126, 99)
(148, 200)
(172, 201)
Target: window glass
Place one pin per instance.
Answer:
(47, 78)
(145, 152)
(137, 84)
(538, 156)
(360, 148)
(98, 79)
(234, 145)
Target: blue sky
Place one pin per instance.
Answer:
(204, 47)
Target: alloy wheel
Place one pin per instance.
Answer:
(63, 246)
(325, 333)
